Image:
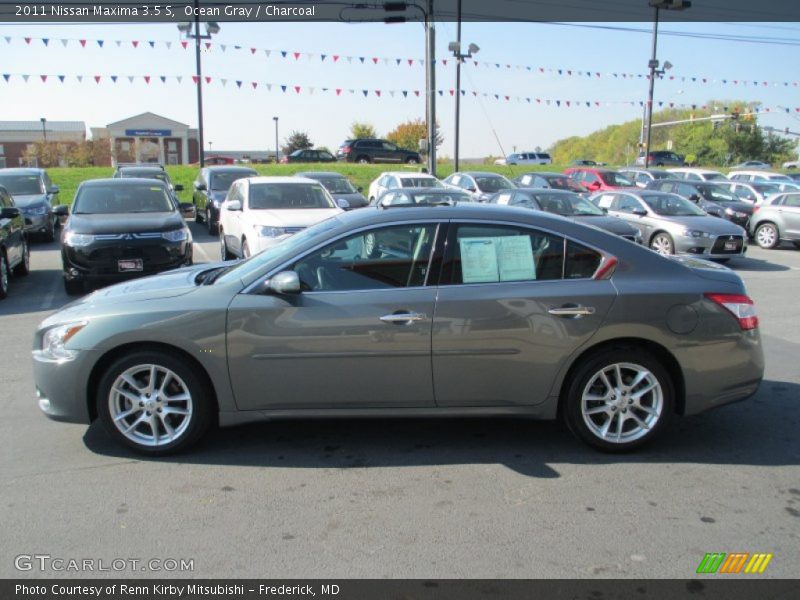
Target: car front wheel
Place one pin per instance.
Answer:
(24, 266)
(619, 399)
(154, 402)
(767, 236)
(662, 243)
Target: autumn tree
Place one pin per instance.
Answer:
(408, 134)
(362, 130)
(297, 140)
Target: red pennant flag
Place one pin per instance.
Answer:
(474, 93)
(254, 84)
(97, 78)
(416, 93)
(410, 62)
(541, 69)
(83, 43)
(252, 50)
(147, 78)
(335, 57)
(374, 61)
(44, 77)
(208, 45)
(444, 62)
(378, 93)
(208, 79)
(476, 62)
(452, 92)
(184, 43)
(27, 40)
(194, 79)
(297, 89)
(508, 98)
(296, 55)
(135, 44)
(338, 91)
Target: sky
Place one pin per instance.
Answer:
(241, 118)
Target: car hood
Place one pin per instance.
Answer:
(355, 200)
(707, 223)
(291, 218)
(744, 207)
(124, 223)
(26, 200)
(610, 224)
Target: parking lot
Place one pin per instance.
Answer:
(482, 498)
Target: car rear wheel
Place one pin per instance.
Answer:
(3, 276)
(363, 160)
(24, 266)
(224, 253)
(154, 402)
(662, 243)
(619, 399)
(412, 161)
(212, 226)
(767, 236)
(198, 215)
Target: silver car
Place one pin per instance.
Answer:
(421, 311)
(777, 219)
(670, 224)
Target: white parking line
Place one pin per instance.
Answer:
(198, 248)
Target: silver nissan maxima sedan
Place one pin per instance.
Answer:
(671, 224)
(460, 310)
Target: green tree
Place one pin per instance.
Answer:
(408, 134)
(362, 130)
(297, 140)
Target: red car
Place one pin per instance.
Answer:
(597, 180)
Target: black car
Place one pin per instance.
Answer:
(660, 158)
(158, 172)
(308, 156)
(369, 150)
(711, 197)
(555, 181)
(346, 196)
(423, 196)
(34, 195)
(210, 188)
(122, 228)
(14, 253)
(567, 204)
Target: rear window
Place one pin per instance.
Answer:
(287, 196)
(117, 199)
(22, 184)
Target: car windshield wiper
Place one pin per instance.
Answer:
(209, 277)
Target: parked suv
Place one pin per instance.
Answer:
(777, 219)
(368, 150)
(34, 195)
(526, 158)
(14, 253)
(210, 188)
(661, 158)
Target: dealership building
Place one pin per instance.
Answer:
(17, 136)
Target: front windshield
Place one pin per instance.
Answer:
(160, 175)
(568, 205)
(716, 193)
(116, 199)
(565, 183)
(672, 205)
(221, 182)
(337, 185)
(288, 196)
(616, 179)
(427, 182)
(22, 185)
(286, 249)
(493, 183)
(766, 188)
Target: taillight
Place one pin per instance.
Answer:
(755, 208)
(346, 149)
(740, 307)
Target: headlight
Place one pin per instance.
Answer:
(730, 212)
(37, 210)
(740, 215)
(693, 233)
(77, 240)
(54, 340)
(270, 231)
(176, 235)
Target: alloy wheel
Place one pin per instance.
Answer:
(767, 236)
(662, 244)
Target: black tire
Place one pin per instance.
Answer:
(584, 381)
(73, 287)
(662, 243)
(50, 234)
(412, 161)
(225, 254)
(364, 160)
(3, 275)
(796, 245)
(24, 267)
(210, 223)
(198, 215)
(200, 406)
(767, 235)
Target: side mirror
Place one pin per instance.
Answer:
(285, 282)
(187, 210)
(53, 189)
(695, 198)
(10, 212)
(62, 210)
(471, 189)
(233, 205)
(639, 212)
(200, 187)
(179, 188)
(605, 211)
(593, 186)
(360, 188)
(343, 203)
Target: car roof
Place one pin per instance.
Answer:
(231, 168)
(541, 174)
(429, 190)
(407, 174)
(22, 171)
(312, 174)
(542, 191)
(479, 173)
(138, 169)
(120, 181)
(280, 179)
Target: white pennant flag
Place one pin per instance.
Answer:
(8, 39)
(269, 87)
(391, 93)
(352, 91)
(350, 59)
(130, 78)
(169, 45)
(80, 77)
(65, 42)
(179, 78)
(310, 56)
(223, 46)
(386, 61)
(25, 77)
(267, 53)
(224, 81)
(311, 90)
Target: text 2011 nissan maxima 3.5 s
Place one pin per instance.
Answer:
(122, 228)
(409, 311)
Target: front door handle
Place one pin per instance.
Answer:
(571, 311)
(403, 318)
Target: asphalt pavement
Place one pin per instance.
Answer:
(421, 498)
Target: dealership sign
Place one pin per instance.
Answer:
(149, 132)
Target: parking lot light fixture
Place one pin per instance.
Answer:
(455, 48)
(276, 139)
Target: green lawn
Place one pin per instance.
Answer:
(68, 179)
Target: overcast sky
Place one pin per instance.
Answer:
(241, 118)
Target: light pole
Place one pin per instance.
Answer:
(653, 66)
(212, 28)
(455, 48)
(44, 130)
(276, 139)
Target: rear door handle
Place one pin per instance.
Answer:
(403, 318)
(571, 311)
